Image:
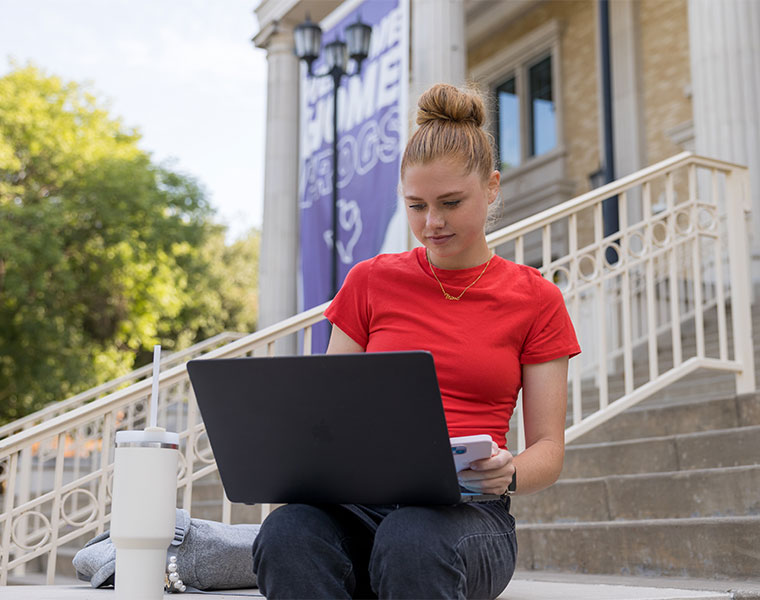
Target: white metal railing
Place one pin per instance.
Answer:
(168, 360)
(666, 304)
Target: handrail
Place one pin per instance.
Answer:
(116, 399)
(608, 190)
(58, 407)
(682, 266)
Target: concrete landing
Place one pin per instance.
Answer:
(579, 588)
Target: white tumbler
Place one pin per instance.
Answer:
(143, 510)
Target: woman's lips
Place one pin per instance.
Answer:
(438, 240)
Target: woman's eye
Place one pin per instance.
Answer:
(452, 203)
(417, 207)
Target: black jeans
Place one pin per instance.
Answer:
(356, 551)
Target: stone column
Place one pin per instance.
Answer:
(438, 45)
(278, 262)
(725, 73)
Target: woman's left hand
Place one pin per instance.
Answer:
(489, 475)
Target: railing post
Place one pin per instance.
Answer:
(10, 491)
(105, 455)
(737, 194)
(55, 517)
(24, 492)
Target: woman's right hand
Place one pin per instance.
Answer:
(489, 475)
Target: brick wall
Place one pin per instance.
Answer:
(665, 73)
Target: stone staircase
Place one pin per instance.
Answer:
(661, 490)
(668, 488)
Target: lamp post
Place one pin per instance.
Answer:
(308, 45)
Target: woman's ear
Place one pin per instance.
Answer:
(493, 186)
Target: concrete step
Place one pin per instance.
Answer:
(718, 547)
(701, 385)
(702, 450)
(211, 510)
(522, 587)
(670, 418)
(732, 491)
(208, 488)
(628, 586)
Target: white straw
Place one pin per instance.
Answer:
(154, 393)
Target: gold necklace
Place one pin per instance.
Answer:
(445, 293)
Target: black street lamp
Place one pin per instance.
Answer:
(308, 45)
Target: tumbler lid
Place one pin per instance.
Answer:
(150, 437)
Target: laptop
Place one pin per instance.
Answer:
(366, 428)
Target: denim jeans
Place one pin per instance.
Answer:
(355, 551)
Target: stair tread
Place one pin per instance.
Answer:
(746, 586)
(662, 474)
(696, 434)
(683, 521)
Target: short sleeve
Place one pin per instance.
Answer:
(552, 334)
(349, 310)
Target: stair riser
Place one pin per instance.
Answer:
(709, 548)
(241, 513)
(708, 450)
(666, 420)
(686, 494)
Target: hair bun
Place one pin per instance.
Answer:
(444, 102)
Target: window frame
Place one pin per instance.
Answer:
(515, 61)
(497, 121)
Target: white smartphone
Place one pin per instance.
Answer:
(469, 448)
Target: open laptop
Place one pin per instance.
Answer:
(363, 428)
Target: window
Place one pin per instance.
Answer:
(526, 113)
(509, 124)
(543, 129)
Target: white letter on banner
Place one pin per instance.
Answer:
(366, 157)
(386, 33)
(387, 87)
(319, 125)
(361, 96)
(390, 133)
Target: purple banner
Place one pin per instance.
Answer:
(369, 141)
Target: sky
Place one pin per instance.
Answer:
(184, 73)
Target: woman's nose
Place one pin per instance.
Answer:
(435, 219)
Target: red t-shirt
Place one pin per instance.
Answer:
(510, 317)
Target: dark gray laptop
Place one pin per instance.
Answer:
(355, 428)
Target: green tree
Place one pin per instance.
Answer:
(102, 252)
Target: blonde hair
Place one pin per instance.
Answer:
(451, 127)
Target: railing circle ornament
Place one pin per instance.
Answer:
(181, 465)
(561, 278)
(660, 234)
(612, 266)
(207, 456)
(706, 219)
(93, 506)
(109, 485)
(141, 408)
(636, 244)
(682, 222)
(16, 538)
(587, 267)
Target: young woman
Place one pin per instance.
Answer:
(493, 327)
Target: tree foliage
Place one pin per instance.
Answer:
(102, 252)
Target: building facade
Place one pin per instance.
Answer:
(685, 75)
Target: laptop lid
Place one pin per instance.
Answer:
(356, 428)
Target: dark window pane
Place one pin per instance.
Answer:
(543, 119)
(509, 125)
